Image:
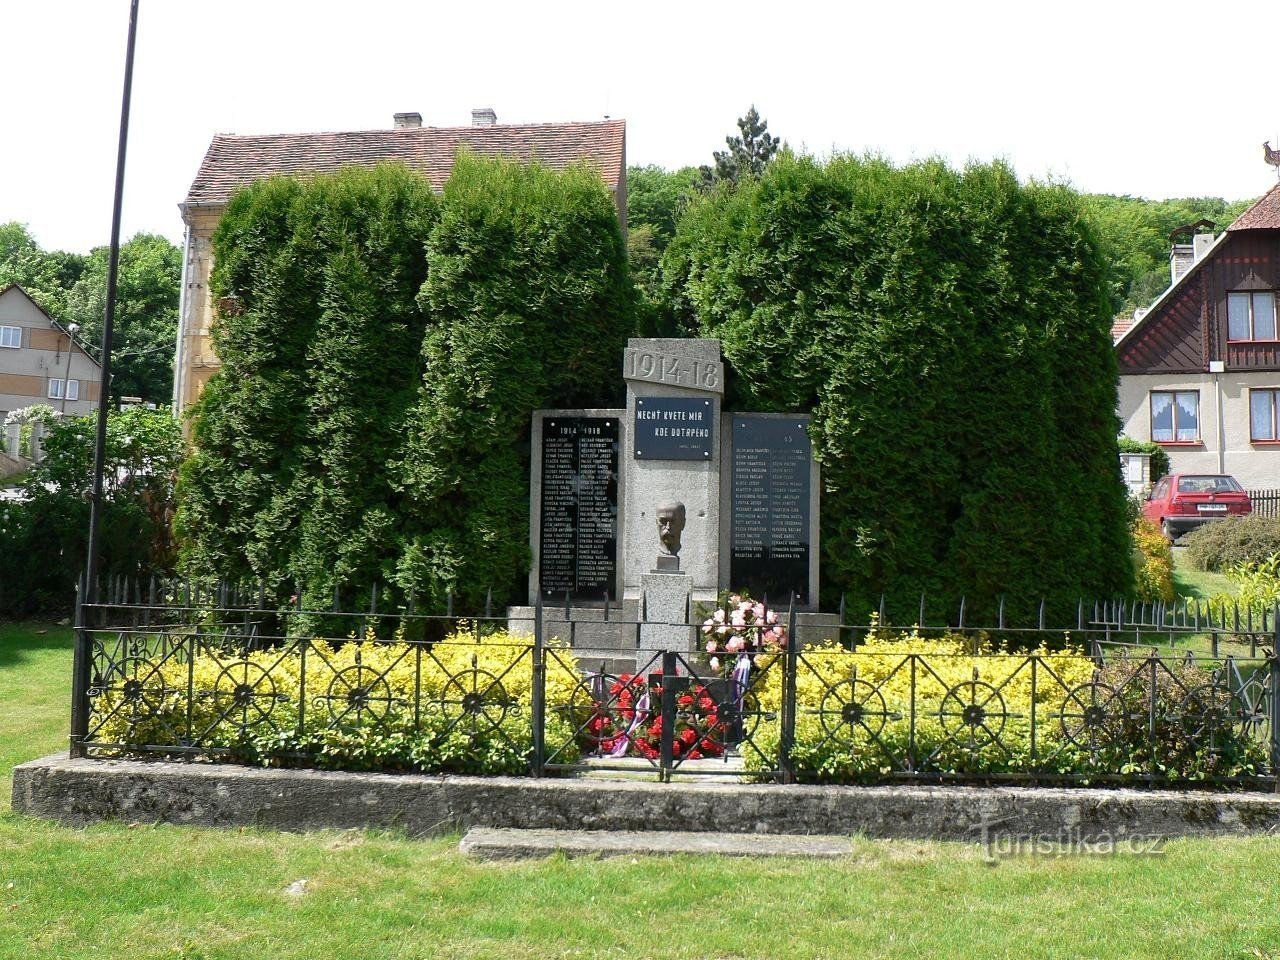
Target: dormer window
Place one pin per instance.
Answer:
(1251, 315)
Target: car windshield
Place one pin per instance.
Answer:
(1209, 484)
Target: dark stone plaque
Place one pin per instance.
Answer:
(769, 506)
(578, 532)
(674, 428)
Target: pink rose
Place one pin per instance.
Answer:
(735, 644)
(711, 646)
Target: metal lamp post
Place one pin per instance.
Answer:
(81, 667)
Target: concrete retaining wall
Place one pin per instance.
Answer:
(79, 792)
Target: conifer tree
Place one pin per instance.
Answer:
(748, 154)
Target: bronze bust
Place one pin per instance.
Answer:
(670, 518)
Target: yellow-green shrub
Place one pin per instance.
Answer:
(890, 676)
(1153, 562)
(352, 706)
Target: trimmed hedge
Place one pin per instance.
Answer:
(318, 334)
(1226, 543)
(950, 332)
(530, 304)
(382, 350)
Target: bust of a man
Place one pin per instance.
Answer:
(670, 519)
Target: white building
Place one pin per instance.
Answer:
(1200, 370)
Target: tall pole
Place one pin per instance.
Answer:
(89, 587)
(108, 323)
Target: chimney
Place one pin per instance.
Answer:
(1202, 242)
(483, 117)
(407, 121)
(1181, 259)
(1186, 254)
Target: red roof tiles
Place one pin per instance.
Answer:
(1263, 215)
(233, 162)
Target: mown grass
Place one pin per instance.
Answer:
(116, 890)
(1198, 584)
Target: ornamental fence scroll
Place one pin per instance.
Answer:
(1128, 694)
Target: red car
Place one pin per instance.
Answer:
(1183, 501)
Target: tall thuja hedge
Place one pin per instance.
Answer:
(235, 517)
(531, 304)
(319, 336)
(949, 331)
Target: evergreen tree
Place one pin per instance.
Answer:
(748, 154)
(950, 333)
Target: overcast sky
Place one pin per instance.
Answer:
(1152, 99)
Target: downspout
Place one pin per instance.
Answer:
(1216, 367)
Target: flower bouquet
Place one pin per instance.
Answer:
(743, 627)
(631, 721)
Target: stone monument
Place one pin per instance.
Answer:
(732, 498)
(674, 389)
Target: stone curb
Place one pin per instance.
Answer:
(488, 843)
(79, 792)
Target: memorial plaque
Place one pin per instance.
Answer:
(674, 428)
(769, 507)
(578, 529)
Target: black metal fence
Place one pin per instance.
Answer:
(1152, 694)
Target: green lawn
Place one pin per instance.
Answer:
(1197, 584)
(167, 892)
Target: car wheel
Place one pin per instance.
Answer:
(1167, 531)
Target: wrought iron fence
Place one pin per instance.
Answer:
(1128, 694)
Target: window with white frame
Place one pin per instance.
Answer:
(1175, 416)
(1262, 414)
(57, 387)
(1251, 315)
(11, 337)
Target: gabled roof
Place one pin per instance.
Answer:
(1160, 301)
(1263, 215)
(233, 162)
(52, 322)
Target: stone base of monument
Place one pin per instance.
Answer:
(666, 615)
(815, 627)
(614, 645)
(603, 646)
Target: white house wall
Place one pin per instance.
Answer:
(1225, 446)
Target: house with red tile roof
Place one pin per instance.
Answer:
(233, 162)
(1200, 369)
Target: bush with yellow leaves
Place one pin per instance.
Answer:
(1153, 562)
(462, 705)
(904, 704)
